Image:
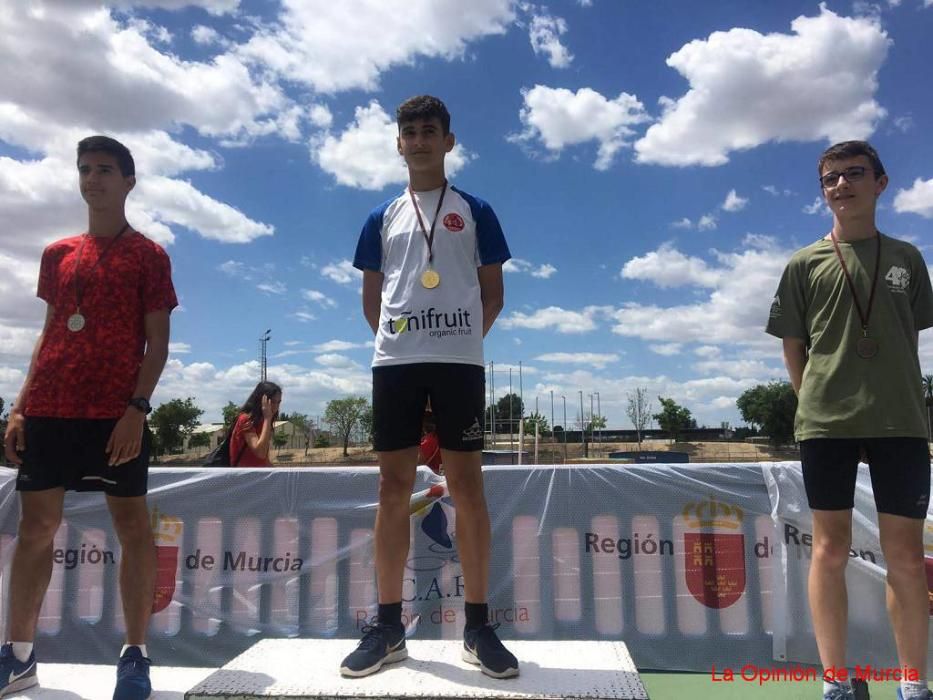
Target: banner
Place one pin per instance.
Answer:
(691, 565)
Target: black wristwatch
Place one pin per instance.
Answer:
(141, 403)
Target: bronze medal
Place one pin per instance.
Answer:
(76, 322)
(866, 348)
(430, 279)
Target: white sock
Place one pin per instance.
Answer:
(22, 650)
(141, 647)
(913, 689)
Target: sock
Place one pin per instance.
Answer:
(390, 613)
(141, 647)
(477, 614)
(22, 650)
(913, 689)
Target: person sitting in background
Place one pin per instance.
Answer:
(430, 448)
(251, 439)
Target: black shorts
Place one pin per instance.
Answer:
(70, 453)
(899, 468)
(458, 399)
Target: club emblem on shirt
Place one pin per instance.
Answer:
(898, 279)
(453, 222)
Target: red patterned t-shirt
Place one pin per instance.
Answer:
(92, 373)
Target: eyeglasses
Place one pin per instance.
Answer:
(852, 174)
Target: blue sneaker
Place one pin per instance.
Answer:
(16, 675)
(133, 676)
(927, 695)
(381, 644)
(481, 646)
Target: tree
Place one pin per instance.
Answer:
(507, 407)
(199, 440)
(673, 418)
(343, 415)
(771, 407)
(639, 411)
(172, 424)
(366, 424)
(279, 439)
(540, 421)
(230, 413)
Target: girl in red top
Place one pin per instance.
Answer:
(251, 440)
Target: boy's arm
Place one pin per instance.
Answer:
(15, 437)
(492, 293)
(126, 438)
(795, 359)
(372, 297)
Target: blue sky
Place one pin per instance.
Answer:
(652, 164)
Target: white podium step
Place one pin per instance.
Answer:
(307, 669)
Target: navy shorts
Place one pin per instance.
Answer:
(70, 453)
(458, 399)
(899, 467)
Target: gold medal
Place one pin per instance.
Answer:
(430, 279)
(75, 322)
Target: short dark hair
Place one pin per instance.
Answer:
(105, 144)
(423, 107)
(852, 149)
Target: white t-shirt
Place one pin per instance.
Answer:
(444, 324)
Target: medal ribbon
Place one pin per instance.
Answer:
(429, 238)
(863, 317)
(78, 289)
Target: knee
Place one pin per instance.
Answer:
(832, 553)
(905, 561)
(132, 526)
(395, 489)
(39, 528)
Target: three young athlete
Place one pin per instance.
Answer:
(849, 309)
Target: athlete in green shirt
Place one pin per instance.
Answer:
(849, 309)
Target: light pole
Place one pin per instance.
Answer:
(262, 353)
(599, 410)
(582, 432)
(565, 428)
(552, 412)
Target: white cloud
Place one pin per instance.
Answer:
(215, 7)
(666, 349)
(735, 310)
(667, 267)
(747, 89)
(273, 287)
(338, 345)
(337, 46)
(559, 118)
(335, 360)
(342, 272)
(206, 36)
(682, 223)
(561, 320)
(365, 156)
(304, 316)
(734, 202)
(917, 200)
(741, 369)
(319, 298)
(545, 31)
(518, 265)
(179, 348)
(817, 207)
(707, 222)
(591, 359)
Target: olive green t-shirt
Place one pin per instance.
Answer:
(843, 395)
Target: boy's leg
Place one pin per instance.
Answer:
(464, 473)
(32, 559)
(906, 589)
(137, 562)
(397, 469)
(829, 603)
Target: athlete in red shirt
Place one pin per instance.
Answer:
(79, 422)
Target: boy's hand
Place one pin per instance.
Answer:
(14, 440)
(126, 439)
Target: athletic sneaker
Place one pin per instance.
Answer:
(16, 675)
(839, 692)
(133, 676)
(381, 644)
(928, 695)
(481, 646)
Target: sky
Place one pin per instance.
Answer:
(653, 165)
